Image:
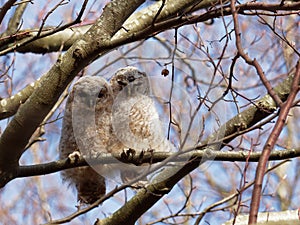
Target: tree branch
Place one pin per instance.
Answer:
(5, 8)
(263, 107)
(155, 157)
(10, 105)
(25, 38)
(52, 40)
(15, 20)
(61, 40)
(234, 195)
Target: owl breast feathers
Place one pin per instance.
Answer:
(108, 118)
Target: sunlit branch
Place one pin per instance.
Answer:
(145, 28)
(10, 105)
(25, 40)
(154, 157)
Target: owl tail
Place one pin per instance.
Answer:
(91, 187)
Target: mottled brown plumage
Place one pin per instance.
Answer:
(135, 119)
(92, 98)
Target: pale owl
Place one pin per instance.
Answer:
(86, 129)
(135, 119)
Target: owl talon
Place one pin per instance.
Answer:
(74, 156)
(128, 154)
(140, 159)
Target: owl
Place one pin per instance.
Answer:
(86, 130)
(135, 119)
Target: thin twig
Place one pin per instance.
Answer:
(248, 60)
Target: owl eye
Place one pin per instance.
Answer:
(102, 93)
(131, 78)
(121, 83)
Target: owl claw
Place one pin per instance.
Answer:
(141, 156)
(128, 154)
(74, 156)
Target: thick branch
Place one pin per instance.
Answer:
(61, 40)
(178, 21)
(15, 20)
(147, 197)
(144, 27)
(9, 106)
(157, 12)
(15, 41)
(5, 8)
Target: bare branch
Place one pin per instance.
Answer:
(52, 40)
(15, 20)
(255, 113)
(252, 62)
(25, 39)
(63, 39)
(9, 106)
(240, 156)
(232, 196)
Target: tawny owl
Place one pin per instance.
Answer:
(86, 129)
(135, 119)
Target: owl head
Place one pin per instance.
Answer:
(131, 78)
(91, 90)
